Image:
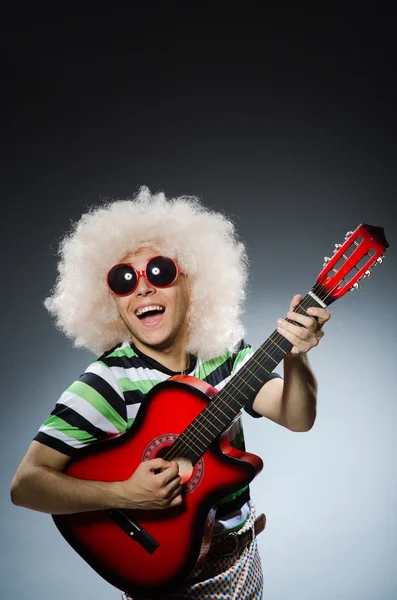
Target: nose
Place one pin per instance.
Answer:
(144, 288)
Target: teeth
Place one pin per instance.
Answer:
(146, 309)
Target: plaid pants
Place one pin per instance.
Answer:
(236, 577)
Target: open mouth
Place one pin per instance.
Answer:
(150, 314)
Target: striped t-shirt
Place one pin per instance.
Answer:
(104, 402)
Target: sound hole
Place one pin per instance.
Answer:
(161, 447)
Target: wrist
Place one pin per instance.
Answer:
(119, 497)
(296, 357)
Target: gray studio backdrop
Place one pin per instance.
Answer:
(297, 158)
(329, 494)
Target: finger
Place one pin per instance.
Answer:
(155, 464)
(302, 339)
(173, 489)
(297, 299)
(177, 501)
(170, 474)
(306, 320)
(320, 314)
(299, 332)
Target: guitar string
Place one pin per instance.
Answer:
(318, 289)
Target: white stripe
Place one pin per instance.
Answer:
(139, 374)
(132, 410)
(61, 436)
(106, 374)
(222, 384)
(89, 412)
(238, 517)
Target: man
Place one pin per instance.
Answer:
(156, 286)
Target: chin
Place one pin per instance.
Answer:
(158, 342)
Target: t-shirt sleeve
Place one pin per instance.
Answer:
(91, 409)
(241, 355)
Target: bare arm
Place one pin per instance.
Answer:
(39, 484)
(292, 403)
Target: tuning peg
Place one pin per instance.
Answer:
(380, 260)
(348, 234)
(326, 260)
(337, 246)
(355, 286)
(367, 273)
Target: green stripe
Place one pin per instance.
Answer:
(241, 356)
(238, 440)
(96, 400)
(60, 425)
(233, 496)
(120, 352)
(210, 365)
(143, 385)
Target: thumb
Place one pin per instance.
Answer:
(157, 463)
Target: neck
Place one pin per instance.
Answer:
(174, 358)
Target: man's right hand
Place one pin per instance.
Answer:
(41, 484)
(154, 485)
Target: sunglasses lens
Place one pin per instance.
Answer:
(161, 271)
(122, 279)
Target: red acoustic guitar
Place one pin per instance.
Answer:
(152, 552)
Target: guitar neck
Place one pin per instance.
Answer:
(241, 389)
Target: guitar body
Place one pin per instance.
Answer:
(183, 533)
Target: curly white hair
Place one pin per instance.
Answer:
(202, 241)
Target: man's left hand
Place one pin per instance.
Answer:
(308, 336)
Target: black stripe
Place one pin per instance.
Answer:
(134, 397)
(74, 419)
(227, 508)
(142, 361)
(220, 373)
(56, 444)
(106, 390)
(154, 364)
(241, 345)
(124, 362)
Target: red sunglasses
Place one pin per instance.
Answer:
(161, 271)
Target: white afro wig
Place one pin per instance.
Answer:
(203, 242)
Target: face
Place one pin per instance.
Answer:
(157, 329)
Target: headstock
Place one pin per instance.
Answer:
(352, 261)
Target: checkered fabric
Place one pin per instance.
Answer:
(236, 577)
